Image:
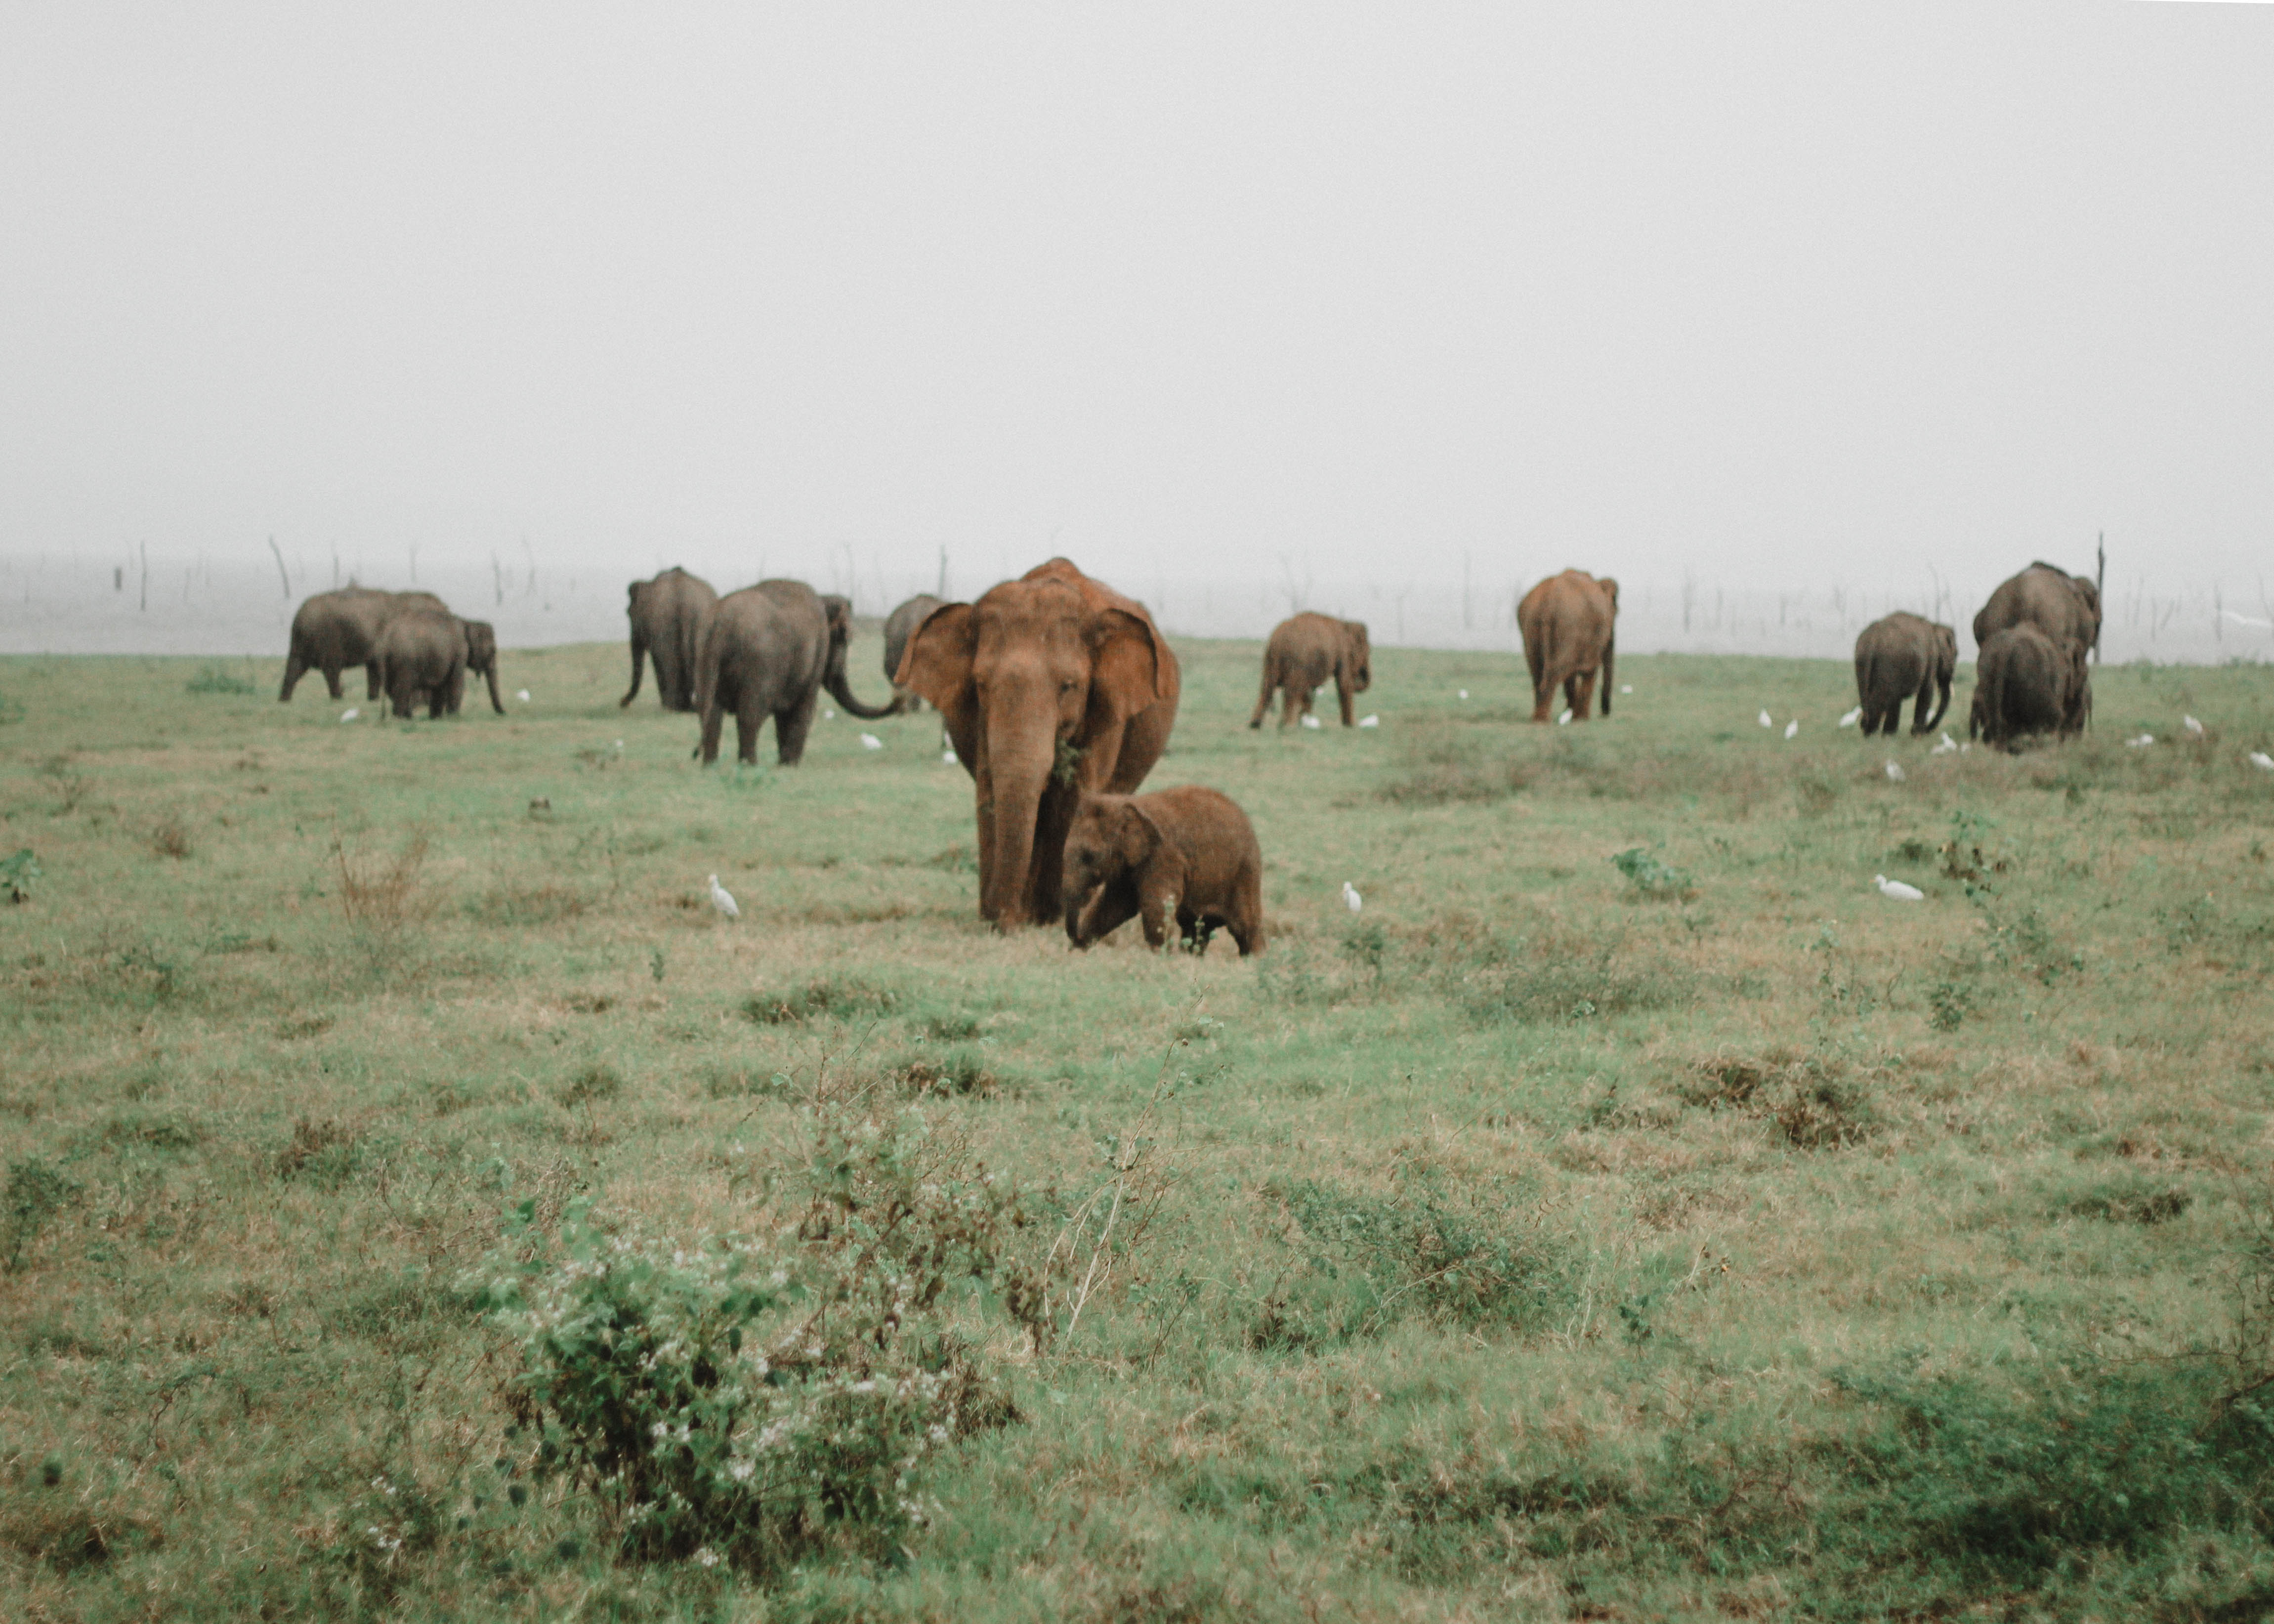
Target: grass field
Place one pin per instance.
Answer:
(1698, 1236)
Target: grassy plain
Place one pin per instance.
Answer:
(1708, 1238)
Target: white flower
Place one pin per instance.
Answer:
(740, 1471)
(707, 1557)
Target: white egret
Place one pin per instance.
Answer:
(827, 715)
(523, 695)
(1792, 728)
(1852, 717)
(869, 741)
(723, 899)
(1564, 721)
(2141, 743)
(1948, 745)
(2192, 725)
(1369, 721)
(1313, 721)
(1767, 720)
(948, 756)
(1626, 687)
(1896, 890)
(1465, 692)
(1351, 898)
(1894, 771)
(350, 714)
(2261, 760)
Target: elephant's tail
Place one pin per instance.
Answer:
(1263, 700)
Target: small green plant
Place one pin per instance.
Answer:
(1963, 854)
(1951, 999)
(1648, 874)
(838, 998)
(37, 1191)
(597, 1081)
(213, 680)
(1366, 946)
(19, 874)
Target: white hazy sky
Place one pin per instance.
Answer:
(1769, 290)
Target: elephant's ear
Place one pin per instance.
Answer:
(1610, 590)
(1131, 665)
(936, 664)
(1138, 836)
(840, 610)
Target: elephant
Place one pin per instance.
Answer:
(1569, 623)
(481, 660)
(2024, 683)
(1049, 686)
(1899, 656)
(1187, 854)
(1303, 653)
(768, 650)
(2065, 608)
(899, 625)
(668, 615)
(422, 655)
(333, 630)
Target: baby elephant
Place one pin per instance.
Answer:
(1187, 853)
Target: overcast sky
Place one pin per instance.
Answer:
(1775, 291)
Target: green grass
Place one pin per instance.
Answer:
(1704, 1236)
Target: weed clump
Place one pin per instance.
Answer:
(838, 998)
(1557, 976)
(17, 874)
(763, 1399)
(958, 1071)
(2131, 1201)
(1814, 1102)
(170, 836)
(323, 1150)
(1650, 874)
(597, 1081)
(37, 1191)
(215, 680)
(546, 903)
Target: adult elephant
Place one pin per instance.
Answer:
(899, 625)
(768, 650)
(333, 630)
(1569, 623)
(1304, 652)
(668, 615)
(1051, 687)
(481, 660)
(1899, 656)
(2065, 608)
(422, 657)
(2023, 683)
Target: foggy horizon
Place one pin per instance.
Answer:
(1237, 308)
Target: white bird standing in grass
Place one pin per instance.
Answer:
(1894, 771)
(1852, 717)
(1369, 721)
(2261, 760)
(1948, 745)
(1313, 721)
(523, 695)
(2141, 743)
(869, 741)
(1465, 692)
(1351, 898)
(1792, 728)
(1767, 720)
(723, 899)
(350, 714)
(1564, 721)
(2192, 725)
(1896, 890)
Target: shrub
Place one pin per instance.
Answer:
(1650, 876)
(213, 680)
(597, 1081)
(170, 836)
(17, 874)
(37, 1191)
(842, 998)
(758, 1400)
(1811, 1098)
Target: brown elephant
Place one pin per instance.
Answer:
(2024, 683)
(668, 615)
(2065, 608)
(1187, 854)
(1050, 687)
(481, 660)
(1896, 657)
(422, 656)
(899, 625)
(1303, 653)
(1570, 624)
(769, 649)
(333, 630)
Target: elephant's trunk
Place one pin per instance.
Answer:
(489, 673)
(1019, 756)
(841, 691)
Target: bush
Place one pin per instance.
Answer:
(758, 1400)
(1649, 874)
(17, 874)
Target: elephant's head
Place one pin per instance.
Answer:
(1946, 653)
(1360, 658)
(1109, 837)
(481, 655)
(840, 613)
(2088, 598)
(1610, 591)
(1037, 683)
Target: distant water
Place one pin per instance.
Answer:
(55, 603)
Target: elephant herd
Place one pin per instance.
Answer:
(2033, 639)
(410, 646)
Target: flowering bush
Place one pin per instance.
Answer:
(750, 1399)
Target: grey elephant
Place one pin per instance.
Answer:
(668, 615)
(1187, 854)
(481, 660)
(1305, 651)
(422, 656)
(2067, 609)
(1897, 657)
(332, 631)
(2024, 683)
(899, 625)
(769, 650)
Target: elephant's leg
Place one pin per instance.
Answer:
(1246, 914)
(1583, 695)
(792, 725)
(1262, 700)
(748, 720)
(1344, 696)
(370, 677)
(1161, 904)
(331, 681)
(1919, 723)
(1115, 904)
(294, 668)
